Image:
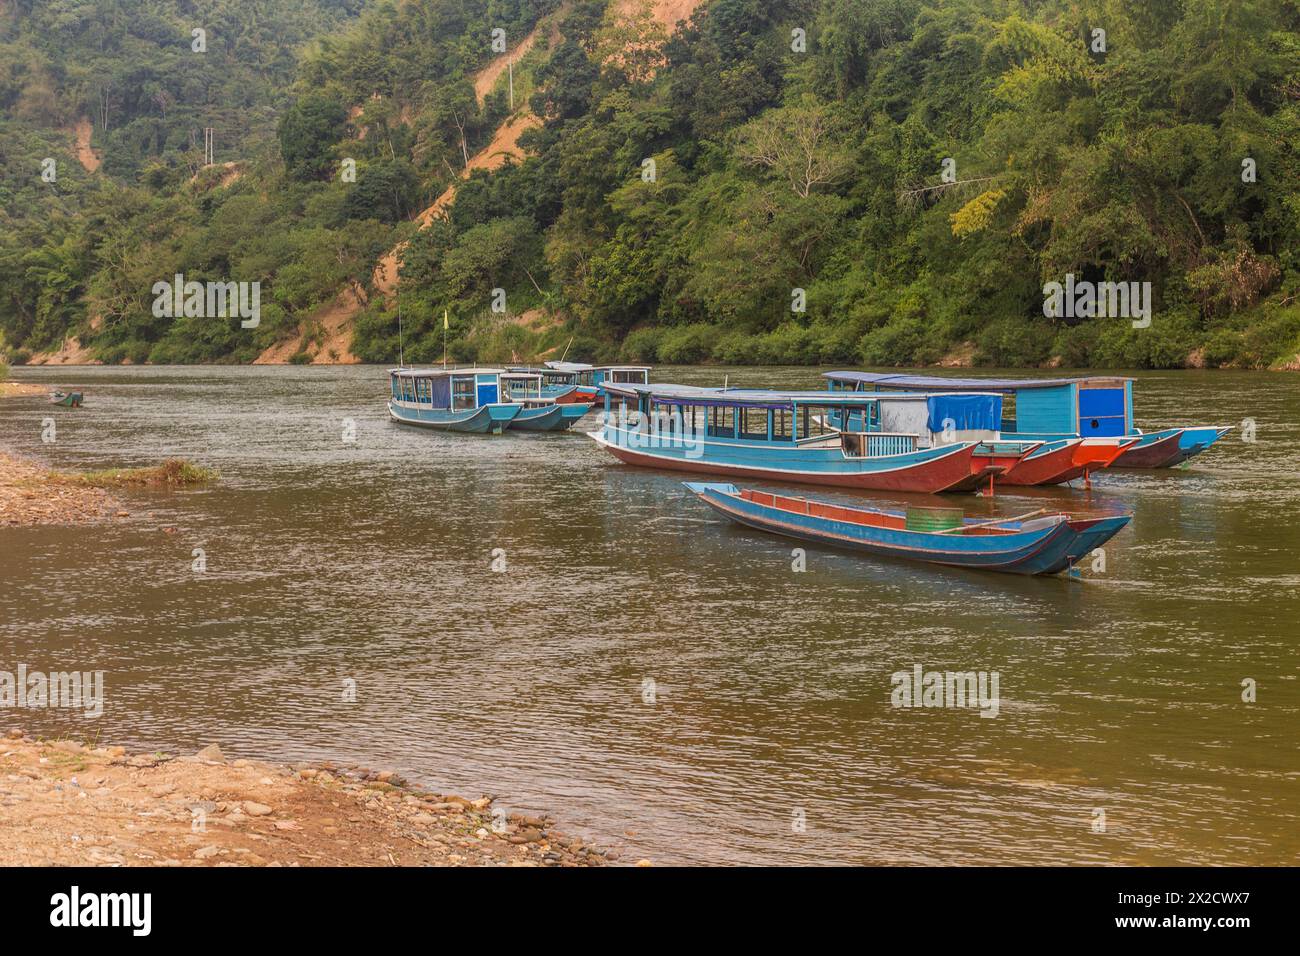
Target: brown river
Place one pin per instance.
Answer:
(526, 617)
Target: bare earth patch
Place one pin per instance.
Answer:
(64, 804)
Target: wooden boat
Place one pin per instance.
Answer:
(562, 386)
(458, 400)
(785, 436)
(596, 376)
(66, 399)
(1097, 409)
(539, 412)
(1066, 459)
(1035, 543)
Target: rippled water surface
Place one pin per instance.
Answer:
(371, 560)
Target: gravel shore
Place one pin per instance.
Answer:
(30, 496)
(66, 804)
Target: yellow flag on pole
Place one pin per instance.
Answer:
(445, 324)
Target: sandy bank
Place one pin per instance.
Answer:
(64, 804)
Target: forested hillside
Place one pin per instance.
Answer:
(873, 182)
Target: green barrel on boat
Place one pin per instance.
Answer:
(933, 519)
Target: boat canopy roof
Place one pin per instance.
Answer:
(934, 383)
(584, 367)
(697, 395)
(440, 372)
(964, 411)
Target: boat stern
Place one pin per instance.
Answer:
(500, 415)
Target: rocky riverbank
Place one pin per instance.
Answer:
(66, 804)
(30, 494)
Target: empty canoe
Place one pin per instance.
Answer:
(1029, 544)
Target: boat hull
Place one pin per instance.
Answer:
(1065, 460)
(1049, 465)
(542, 418)
(1038, 549)
(926, 473)
(486, 419)
(1156, 450)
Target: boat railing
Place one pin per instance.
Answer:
(875, 444)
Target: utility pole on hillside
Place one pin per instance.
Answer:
(207, 146)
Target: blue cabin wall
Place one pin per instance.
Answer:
(1046, 410)
(487, 392)
(1103, 412)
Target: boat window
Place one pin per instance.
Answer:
(752, 422)
(781, 422)
(635, 375)
(393, 387)
(690, 416)
(813, 421)
(462, 393)
(722, 422)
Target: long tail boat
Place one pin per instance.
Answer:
(66, 399)
(540, 412)
(597, 376)
(458, 400)
(906, 443)
(1057, 409)
(562, 386)
(1034, 543)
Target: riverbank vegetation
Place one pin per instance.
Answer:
(172, 473)
(771, 181)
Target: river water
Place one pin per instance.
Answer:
(662, 682)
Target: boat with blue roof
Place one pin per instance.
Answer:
(1096, 409)
(902, 442)
(584, 376)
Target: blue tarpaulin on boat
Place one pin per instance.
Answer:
(967, 412)
(441, 391)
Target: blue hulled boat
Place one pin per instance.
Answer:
(597, 376)
(562, 386)
(458, 400)
(903, 442)
(540, 412)
(1029, 544)
(1097, 409)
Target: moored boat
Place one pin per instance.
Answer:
(66, 399)
(562, 386)
(539, 412)
(1097, 409)
(1034, 543)
(458, 400)
(907, 443)
(596, 377)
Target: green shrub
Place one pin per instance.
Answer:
(641, 345)
(1013, 343)
(896, 343)
(688, 344)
